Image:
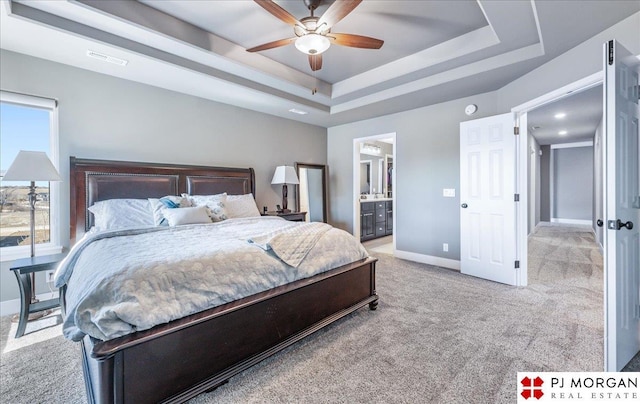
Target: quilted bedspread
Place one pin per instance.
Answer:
(124, 281)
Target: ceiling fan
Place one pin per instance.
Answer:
(313, 34)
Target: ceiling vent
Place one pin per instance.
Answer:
(298, 111)
(107, 58)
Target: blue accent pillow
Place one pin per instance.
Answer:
(166, 202)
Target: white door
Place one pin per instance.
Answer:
(487, 206)
(622, 207)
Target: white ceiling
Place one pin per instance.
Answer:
(583, 114)
(434, 51)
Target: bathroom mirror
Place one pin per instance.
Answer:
(311, 193)
(365, 176)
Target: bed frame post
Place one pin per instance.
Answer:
(374, 304)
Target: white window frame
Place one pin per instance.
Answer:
(55, 229)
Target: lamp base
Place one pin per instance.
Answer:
(285, 211)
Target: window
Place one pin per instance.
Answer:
(28, 123)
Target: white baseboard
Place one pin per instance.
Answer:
(428, 259)
(572, 221)
(8, 307)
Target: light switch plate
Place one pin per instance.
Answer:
(449, 192)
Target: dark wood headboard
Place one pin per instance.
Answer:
(98, 180)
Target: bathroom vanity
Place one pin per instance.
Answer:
(376, 218)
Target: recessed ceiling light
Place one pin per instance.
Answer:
(562, 132)
(107, 58)
(298, 111)
(560, 115)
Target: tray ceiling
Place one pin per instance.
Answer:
(434, 51)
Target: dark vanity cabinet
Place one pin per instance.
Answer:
(367, 221)
(376, 219)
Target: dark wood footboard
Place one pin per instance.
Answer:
(176, 361)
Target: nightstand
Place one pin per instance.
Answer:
(290, 216)
(22, 269)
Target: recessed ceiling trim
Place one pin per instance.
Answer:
(151, 71)
(117, 44)
(470, 69)
(464, 44)
(106, 58)
(538, 28)
(186, 40)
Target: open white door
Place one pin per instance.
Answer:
(622, 207)
(487, 197)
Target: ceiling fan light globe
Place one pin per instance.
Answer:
(312, 44)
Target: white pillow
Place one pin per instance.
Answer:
(177, 217)
(166, 202)
(215, 203)
(121, 214)
(241, 206)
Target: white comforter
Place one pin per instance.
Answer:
(126, 281)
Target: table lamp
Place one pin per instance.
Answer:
(285, 175)
(32, 166)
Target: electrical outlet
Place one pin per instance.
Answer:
(445, 247)
(48, 276)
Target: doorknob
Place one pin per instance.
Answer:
(628, 225)
(464, 206)
(599, 222)
(619, 224)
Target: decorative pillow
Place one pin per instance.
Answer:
(166, 202)
(215, 203)
(121, 214)
(193, 215)
(241, 206)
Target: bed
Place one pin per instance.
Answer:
(178, 360)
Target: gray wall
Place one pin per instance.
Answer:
(427, 149)
(427, 160)
(545, 184)
(105, 117)
(573, 183)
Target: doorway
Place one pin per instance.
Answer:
(374, 191)
(564, 139)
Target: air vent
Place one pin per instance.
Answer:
(298, 111)
(107, 58)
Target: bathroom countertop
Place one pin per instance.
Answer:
(376, 200)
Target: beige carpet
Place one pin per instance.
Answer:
(383, 249)
(437, 336)
(39, 330)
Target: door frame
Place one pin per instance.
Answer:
(522, 165)
(356, 181)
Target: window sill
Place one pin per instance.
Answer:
(14, 253)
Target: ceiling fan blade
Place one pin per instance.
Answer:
(315, 61)
(279, 12)
(336, 12)
(271, 45)
(355, 41)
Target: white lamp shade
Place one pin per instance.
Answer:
(312, 44)
(31, 166)
(285, 175)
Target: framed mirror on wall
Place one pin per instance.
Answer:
(365, 176)
(311, 193)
